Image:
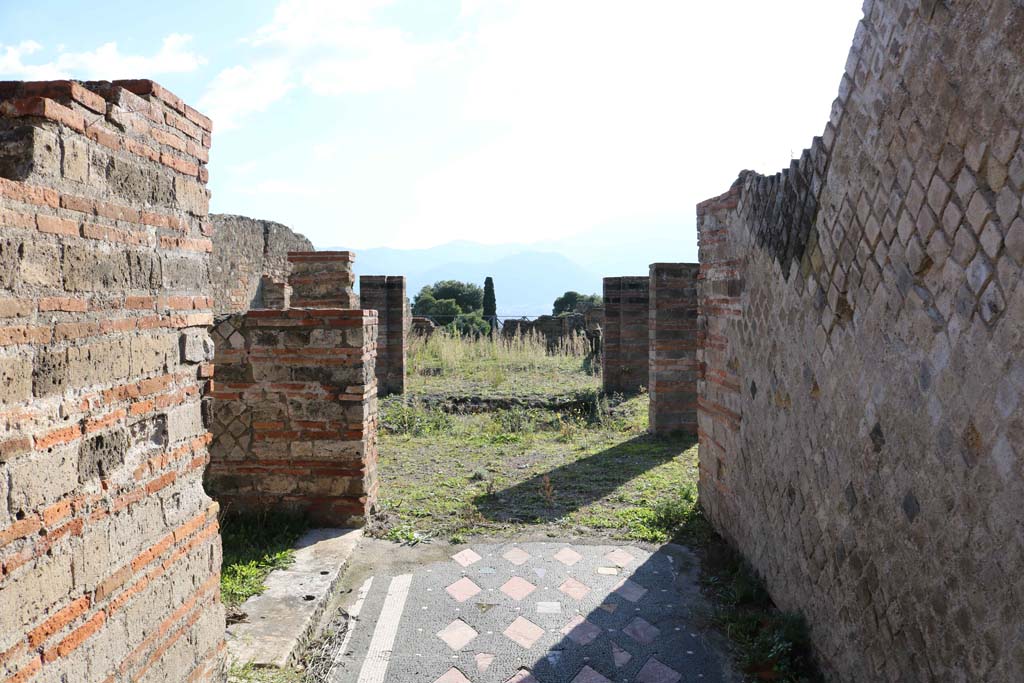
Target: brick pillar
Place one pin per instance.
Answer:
(624, 352)
(322, 279)
(674, 339)
(386, 295)
(276, 295)
(295, 413)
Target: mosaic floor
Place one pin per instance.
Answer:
(530, 613)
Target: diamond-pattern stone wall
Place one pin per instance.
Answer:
(860, 413)
(625, 348)
(674, 337)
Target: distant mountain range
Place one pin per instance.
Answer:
(528, 278)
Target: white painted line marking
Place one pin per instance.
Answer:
(353, 619)
(379, 653)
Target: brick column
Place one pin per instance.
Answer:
(674, 340)
(624, 352)
(386, 295)
(295, 413)
(276, 295)
(322, 279)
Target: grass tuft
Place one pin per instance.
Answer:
(255, 545)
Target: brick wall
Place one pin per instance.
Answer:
(109, 549)
(625, 345)
(245, 250)
(322, 279)
(672, 353)
(386, 295)
(861, 421)
(295, 413)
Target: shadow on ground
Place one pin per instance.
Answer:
(554, 494)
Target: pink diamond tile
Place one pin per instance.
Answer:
(452, 675)
(524, 632)
(466, 557)
(642, 631)
(463, 589)
(581, 631)
(588, 675)
(568, 556)
(620, 656)
(574, 589)
(457, 634)
(517, 588)
(522, 676)
(517, 556)
(483, 661)
(656, 672)
(630, 590)
(619, 557)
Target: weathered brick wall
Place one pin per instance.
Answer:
(109, 549)
(386, 295)
(295, 413)
(244, 251)
(861, 421)
(625, 346)
(674, 337)
(322, 279)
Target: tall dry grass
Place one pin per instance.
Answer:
(496, 360)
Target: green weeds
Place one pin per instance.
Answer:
(255, 545)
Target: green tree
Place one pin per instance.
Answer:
(490, 303)
(568, 301)
(470, 325)
(468, 296)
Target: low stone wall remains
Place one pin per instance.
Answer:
(246, 250)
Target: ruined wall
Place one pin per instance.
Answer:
(244, 251)
(625, 345)
(861, 421)
(109, 548)
(674, 337)
(295, 413)
(322, 279)
(386, 295)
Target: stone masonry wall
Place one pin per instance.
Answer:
(625, 347)
(322, 279)
(674, 337)
(295, 413)
(861, 421)
(386, 295)
(244, 251)
(109, 548)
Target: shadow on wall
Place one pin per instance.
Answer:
(563, 490)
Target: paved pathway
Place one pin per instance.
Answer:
(532, 613)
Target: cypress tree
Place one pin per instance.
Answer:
(490, 303)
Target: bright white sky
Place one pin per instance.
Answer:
(409, 123)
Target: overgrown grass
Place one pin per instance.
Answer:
(769, 644)
(256, 674)
(449, 365)
(592, 468)
(255, 545)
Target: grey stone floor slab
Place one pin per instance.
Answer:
(549, 612)
(286, 616)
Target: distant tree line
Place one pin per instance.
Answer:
(468, 309)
